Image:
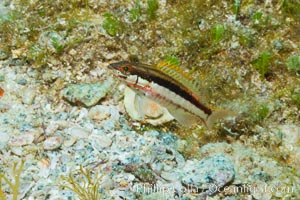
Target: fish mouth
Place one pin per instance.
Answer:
(114, 70)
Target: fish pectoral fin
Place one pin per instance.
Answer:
(184, 118)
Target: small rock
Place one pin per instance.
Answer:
(70, 142)
(181, 145)
(17, 53)
(99, 113)
(261, 190)
(22, 81)
(72, 52)
(216, 170)
(78, 132)
(49, 76)
(4, 138)
(19, 151)
(170, 176)
(86, 94)
(290, 143)
(2, 77)
(52, 143)
(107, 183)
(21, 140)
(51, 128)
(28, 95)
(3, 55)
(101, 140)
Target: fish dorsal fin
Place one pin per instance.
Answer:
(185, 79)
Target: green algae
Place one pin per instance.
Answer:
(296, 99)
(111, 24)
(236, 8)
(217, 32)
(152, 7)
(136, 11)
(291, 7)
(293, 63)
(262, 63)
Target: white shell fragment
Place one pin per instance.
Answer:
(145, 110)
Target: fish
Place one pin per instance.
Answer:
(172, 88)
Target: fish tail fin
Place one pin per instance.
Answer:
(218, 115)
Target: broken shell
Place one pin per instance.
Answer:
(145, 110)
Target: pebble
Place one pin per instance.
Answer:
(102, 140)
(73, 52)
(3, 55)
(52, 143)
(21, 140)
(107, 183)
(22, 81)
(170, 176)
(78, 132)
(99, 113)
(216, 169)
(4, 138)
(69, 142)
(290, 144)
(262, 191)
(51, 128)
(2, 77)
(28, 95)
(17, 53)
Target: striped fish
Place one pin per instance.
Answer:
(170, 87)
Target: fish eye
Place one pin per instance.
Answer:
(126, 69)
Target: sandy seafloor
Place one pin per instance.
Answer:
(62, 112)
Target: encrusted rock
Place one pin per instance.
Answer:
(86, 94)
(210, 173)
